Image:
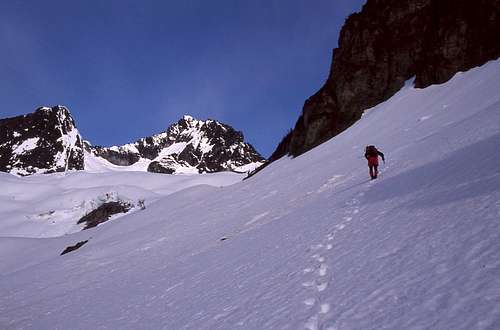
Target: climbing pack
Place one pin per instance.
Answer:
(371, 151)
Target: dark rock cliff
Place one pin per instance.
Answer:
(384, 45)
(45, 141)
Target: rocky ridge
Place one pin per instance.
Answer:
(45, 141)
(190, 145)
(387, 43)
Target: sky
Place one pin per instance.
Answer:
(128, 69)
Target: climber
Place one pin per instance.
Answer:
(371, 154)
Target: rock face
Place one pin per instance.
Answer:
(45, 141)
(189, 145)
(384, 45)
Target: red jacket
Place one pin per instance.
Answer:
(372, 156)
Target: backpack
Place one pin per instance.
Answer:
(371, 151)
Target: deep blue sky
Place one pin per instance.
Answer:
(129, 68)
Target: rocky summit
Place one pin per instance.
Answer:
(45, 141)
(188, 146)
(386, 44)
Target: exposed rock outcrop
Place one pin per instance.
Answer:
(384, 45)
(45, 141)
(104, 212)
(75, 247)
(118, 156)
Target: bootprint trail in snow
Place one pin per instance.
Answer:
(320, 271)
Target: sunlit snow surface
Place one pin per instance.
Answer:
(50, 205)
(308, 243)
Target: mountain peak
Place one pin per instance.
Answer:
(188, 146)
(44, 141)
(53, 109)
(191, 122)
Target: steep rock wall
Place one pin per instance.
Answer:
(384, 45)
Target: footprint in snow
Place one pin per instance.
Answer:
(322, 269)
(308, 284)
(340, 226)
(347, 219)
(325, 308)
(312, 323)
(354, 202)
(318, 258)
(321, 287)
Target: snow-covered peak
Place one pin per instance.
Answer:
(189, 145)
(189, 123)
(55, 109)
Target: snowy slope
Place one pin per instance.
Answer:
(96, 164)
(308, 243)
(50, 205)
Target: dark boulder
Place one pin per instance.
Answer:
(72, 248)
(116, 157)
(103, 213)
(161, 167)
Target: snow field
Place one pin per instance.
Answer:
(309, 243)
(49, 205)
